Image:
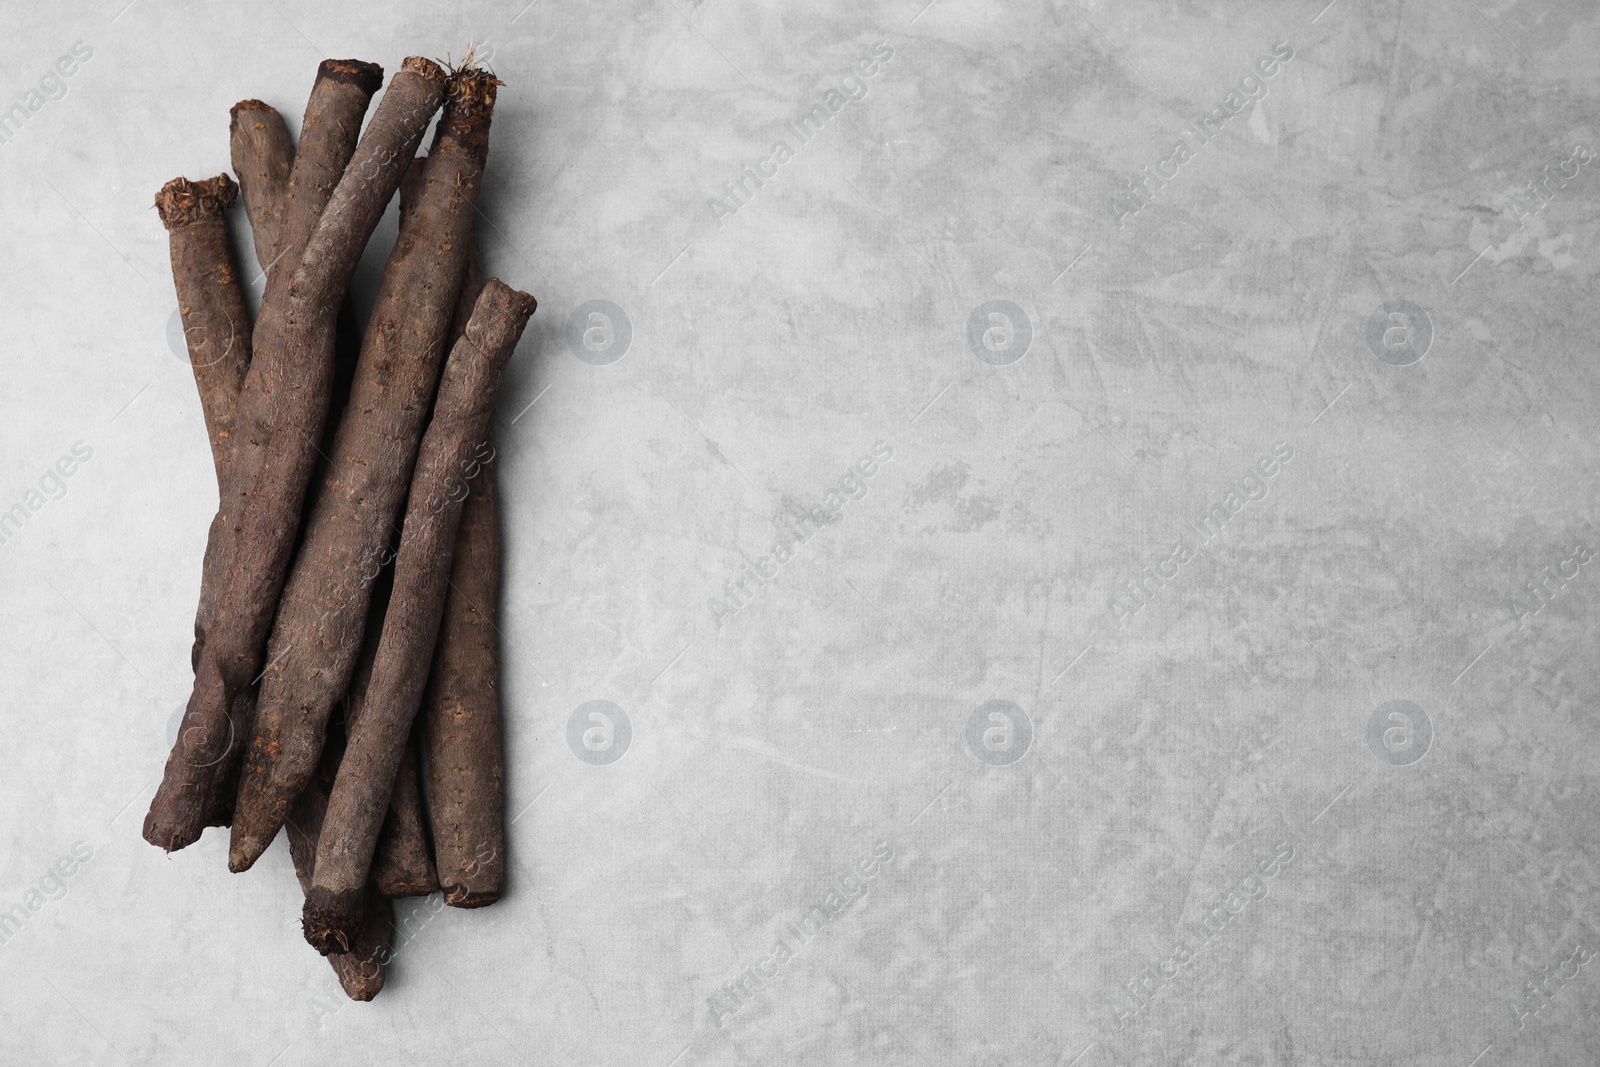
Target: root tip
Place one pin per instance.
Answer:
(243, 851)
(165, 837)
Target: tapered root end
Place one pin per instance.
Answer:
(460, 896)
(331, 921)
(360, 980)
(244, 847)
(250, 105)
(165, 836)
(358, 72)
(182, 202)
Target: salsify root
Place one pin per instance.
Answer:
(216, 320)
(216, 330)
(463, 413)
(461, 714)
(281, 412)
(461, 707)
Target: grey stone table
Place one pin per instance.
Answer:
(1079, 516)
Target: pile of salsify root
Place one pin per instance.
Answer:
(345, 662)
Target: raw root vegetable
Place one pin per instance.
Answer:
(281, 411)
(460, 712)
(320, 620)
(216, 322)
(263, 157)
(462, 417)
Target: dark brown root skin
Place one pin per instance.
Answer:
(461, 708)
(165, 839)
(263, 158)
(324, 602)
(463, 413)
(359, 988)
(242, 857)
(331, 921)
(361, 970)
(217, 336)
(178, 811)
(329, 133)
(465, 795)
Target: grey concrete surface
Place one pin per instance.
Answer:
(1087, 545)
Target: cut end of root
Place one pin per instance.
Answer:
(425, 67)
(460, 896)
(469, 102)
(251, 105)
(331, 921)
(367, 77)
(182, 202)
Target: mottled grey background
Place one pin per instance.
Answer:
(1220, 748)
